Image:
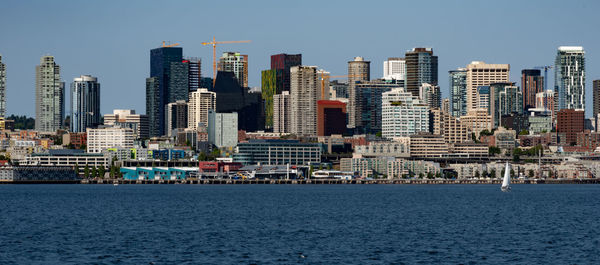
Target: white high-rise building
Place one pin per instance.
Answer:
(394, 68)
(430, 95)
(482, 74)
(200, 102)
(403, 114)
(111, 137)
(223, 129)
(85, 103)
(2, 88)
(569, 77)
(49, 96)
(281, 112)
(127, 118)
(304, 93)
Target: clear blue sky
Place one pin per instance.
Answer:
(112, 39)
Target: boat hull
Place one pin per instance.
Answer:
(505, 189)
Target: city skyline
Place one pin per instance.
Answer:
(115, 46)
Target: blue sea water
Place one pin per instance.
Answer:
(312, 224)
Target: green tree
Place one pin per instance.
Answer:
(531, 173)
(378, 134)
(512, 173)
(101, 171)
(76, 168)
(493, 173)
(492, 150)
(94, 172)
(429, 175)
(86, 171)
(524, 132)
(477, 175)
(421, 175)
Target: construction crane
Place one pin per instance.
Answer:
(323, 76)
(545, 68)
(214, 45)
(165, 45)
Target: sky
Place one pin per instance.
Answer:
(112, 39)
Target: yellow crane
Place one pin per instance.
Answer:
(214, 45)
(323, 76)
(165, 45)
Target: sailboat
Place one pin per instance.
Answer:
(506, 181)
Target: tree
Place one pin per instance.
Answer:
(477, 175)
(378, 134)
(429, 175)
(86, 171)
(524, 132)
(94, 172)
(531, 173)
(492, 150)
(421, 175)
(101, 171)
(76, 168)
(493, 173)
(512, 173)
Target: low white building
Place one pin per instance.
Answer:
(104, 138)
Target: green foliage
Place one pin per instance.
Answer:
(378, 134)
(486, 133)
(477, 175)
(492, 150)
(86, 171)
(76, 169)
(101, 171)
(493, 173)
(524, 132)
(22, 122)
(531, 173)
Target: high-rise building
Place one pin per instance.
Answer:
(236, 63)
(596, 92)
(458, 92)
(394, 68)
(446, 105)
(282, 112)
(368, 105)
(201, 101)
(545, 101)
(569, 77)
(482, 74)
(272, 84)
(359, 70)
(430, 95)
(284, 62)
(194, 73)
(128, 119)
(222, 129)
(483, 97)
(477, 121)
(421, 67)
(304, 93)
(168, 83)
(176, 117)
(331, 117)
(569, 123)
(403, 114)
(2, 88)
(85, 103)
(532, 83)
(49, 96)
(505, 99)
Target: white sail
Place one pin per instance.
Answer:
(506, 180)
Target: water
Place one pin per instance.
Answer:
(348, 224)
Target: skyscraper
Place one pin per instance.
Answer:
(458, 92)
(369, 104)
(304, 93)
(532, 83)
(284, 62)
(85, 103)
(505, 99)
(236, 63)
(223, 129)
(49, 96)
(596, 102)
(482, 74)
(168, 83)
(403, 114)
(2, 88)
(569, 77)
(421, 67)
(281, 112)
(201, 101)
(394, 68)
(331, 117)
(271, 84)
(359, 70)
(194, 73)
(176, 117)
(430, 95)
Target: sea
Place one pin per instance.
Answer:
(306, 224)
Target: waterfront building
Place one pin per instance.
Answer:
(532, 83)
(331, 117)
(403, 114)
(176, 117)
(104, 138)
(49, 96)
(68, 157)
(421, 67)
(359, 70)
(505, 99)
(2, 88)
(129, 119)
(200, 102)
(168, 82)
(85, 103)
(369, 103)
(222, 129)
(282, 112)
(285, 62)
(570, 122)
(304, 94)
(389, 168)
(194, 65)
(482, 74)
(596, 92)
(400, 147)
(157, 173)
(37, 173)
(277, 152)
(430, 95)
(394, 68)
(458, 92)
(569, 77)
(236, 63)
(426, 145)
(469, 149)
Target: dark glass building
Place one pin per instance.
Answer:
(284, 62)
(85, 103)
(532, 83)
(331, 117)
(421, 67)
(231, 97)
